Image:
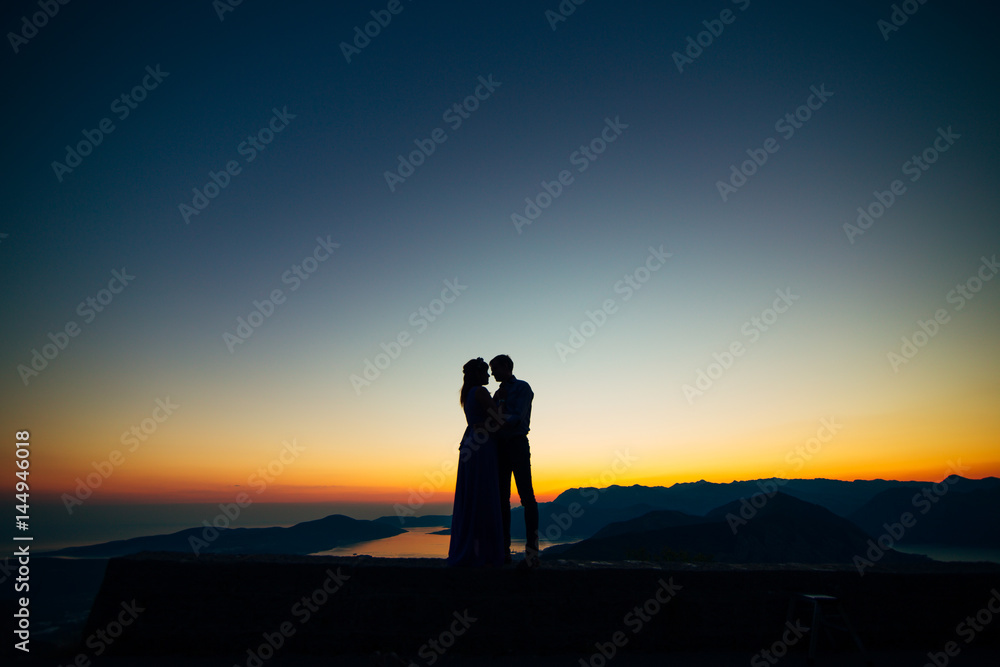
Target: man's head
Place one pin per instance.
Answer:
(503, 367)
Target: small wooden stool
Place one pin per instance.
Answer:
(827, 613)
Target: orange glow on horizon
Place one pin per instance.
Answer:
(349, 464)
(167, 491)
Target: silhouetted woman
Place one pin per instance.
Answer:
(476, 525)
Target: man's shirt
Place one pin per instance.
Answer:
(517, 397)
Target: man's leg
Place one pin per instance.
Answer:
(504, 472)
(521, 464)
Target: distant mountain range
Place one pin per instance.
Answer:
(960, 517)
(764, 529)
(307, 537)
(798, 520)
(425, 521)
(961, 512)
(840, 497)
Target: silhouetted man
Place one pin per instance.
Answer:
(513, 456)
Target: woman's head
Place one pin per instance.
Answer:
(476, 373)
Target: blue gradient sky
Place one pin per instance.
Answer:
(323, 176)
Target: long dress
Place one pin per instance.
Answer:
(476, 524)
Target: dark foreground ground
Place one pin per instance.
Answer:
(160, 609)
(706, 658)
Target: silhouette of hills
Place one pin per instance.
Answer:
(956, 517)
(776, 529)
(697, 498)
(426, 521)
(558, 521)
(655, 520)
(965, 516)
(599, 507)
(303, 538)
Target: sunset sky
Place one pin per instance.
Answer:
(677, 270)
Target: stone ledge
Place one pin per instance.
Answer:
(212, 605)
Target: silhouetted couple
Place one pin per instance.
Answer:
(494, 447)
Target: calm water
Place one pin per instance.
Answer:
(951, 554)
(53, 527)
(416, 543)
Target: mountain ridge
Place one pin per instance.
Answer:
(767, 529)
(306, 537)
(580, 513)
